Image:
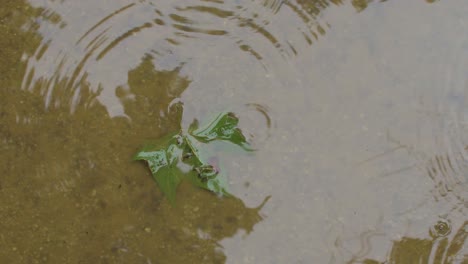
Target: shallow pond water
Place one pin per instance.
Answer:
(358, 111)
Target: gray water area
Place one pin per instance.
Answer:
(358, 111)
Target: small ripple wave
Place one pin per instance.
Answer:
(99, 43)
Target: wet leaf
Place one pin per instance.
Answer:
(163, 163)
(223, 127)
(180, 156)
(205, 174)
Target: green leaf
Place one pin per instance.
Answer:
(168, 180)
(207, 176)
(180, 156)
(223, 127)
(163, 163)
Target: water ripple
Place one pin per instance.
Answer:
(449, 170)
(104, 20)
(98, 47)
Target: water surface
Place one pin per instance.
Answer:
(358, 111)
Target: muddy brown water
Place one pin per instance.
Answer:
(358, 111)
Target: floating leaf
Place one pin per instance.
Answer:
(180, 156)
(208, 176)
(223, 127)
(163, 163)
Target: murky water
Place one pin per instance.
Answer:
(358, 111)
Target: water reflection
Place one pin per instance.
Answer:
(446, 170)
(164, 30)
(441, 248)
(449, 194)
(84, 83)
(67, 175)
